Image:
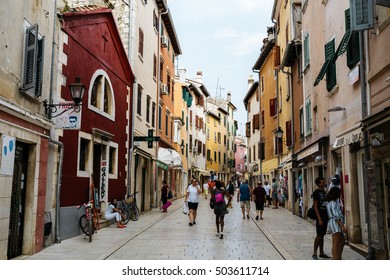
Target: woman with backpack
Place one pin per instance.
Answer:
(218, 195)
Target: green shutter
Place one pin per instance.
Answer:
(331, 70)
(322, 72)
(347, 36)
(189, 100)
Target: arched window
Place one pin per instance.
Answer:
(101, 95)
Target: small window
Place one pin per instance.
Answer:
(306, 51)
(153, 114)
(148, 101)
(141, 42)
(112, 161)
(139, 100)
(83, 156)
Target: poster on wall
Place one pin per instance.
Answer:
(8, 155)
(68, 117)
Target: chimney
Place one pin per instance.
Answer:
(199, 77)
(182, 75)
(250, 81)
(229, 96)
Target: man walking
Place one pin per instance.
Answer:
(259, 195)
(319, 206)
(244, 197)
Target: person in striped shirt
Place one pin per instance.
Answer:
(336, 222)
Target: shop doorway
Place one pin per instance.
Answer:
(18, 198)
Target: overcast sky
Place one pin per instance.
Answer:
(222, 38)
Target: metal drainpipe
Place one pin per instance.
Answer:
(289, 75)
(60, 145)
(130, 156)
(367, 154)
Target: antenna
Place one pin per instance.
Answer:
(218, 91)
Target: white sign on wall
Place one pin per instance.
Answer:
(8, 155)
(68, 118)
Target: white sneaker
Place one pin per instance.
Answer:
(217, 234)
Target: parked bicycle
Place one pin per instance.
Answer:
(129, 206)
(86, 222)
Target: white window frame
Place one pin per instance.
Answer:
(100, 110)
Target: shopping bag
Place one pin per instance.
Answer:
(166, 205)
(186, 210)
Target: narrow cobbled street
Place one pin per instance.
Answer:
(167, 236)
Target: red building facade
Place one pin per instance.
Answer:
(96, 154)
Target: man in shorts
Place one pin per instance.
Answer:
(244, 197)
(319, 206)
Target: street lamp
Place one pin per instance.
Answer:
(279, 133)
(77, 90)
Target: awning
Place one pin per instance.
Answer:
(349, 136)
(308, 151)
(169, 157)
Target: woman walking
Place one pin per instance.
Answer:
(164, 195)
(218, 194)
(336, 223)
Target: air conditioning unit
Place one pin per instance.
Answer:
(164, 41)
(164, 89)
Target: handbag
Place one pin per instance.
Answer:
(169, 195)
(212, 202)
(311, 213)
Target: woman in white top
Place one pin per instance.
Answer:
(192, 197)
(112, 212)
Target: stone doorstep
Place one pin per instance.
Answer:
(360, 248)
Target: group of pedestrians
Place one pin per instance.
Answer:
(329, 215)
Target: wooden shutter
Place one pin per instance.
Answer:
(272, 107)
(30, 57)
(277, 56)
(262, 118)
(288, 134)
(39, 69)
(248, 129)
(257, 121)
(331, 70)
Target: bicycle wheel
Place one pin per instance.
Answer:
(134, 213)
(126, 215)
(85, 225)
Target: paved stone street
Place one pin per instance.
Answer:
(167, 236)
